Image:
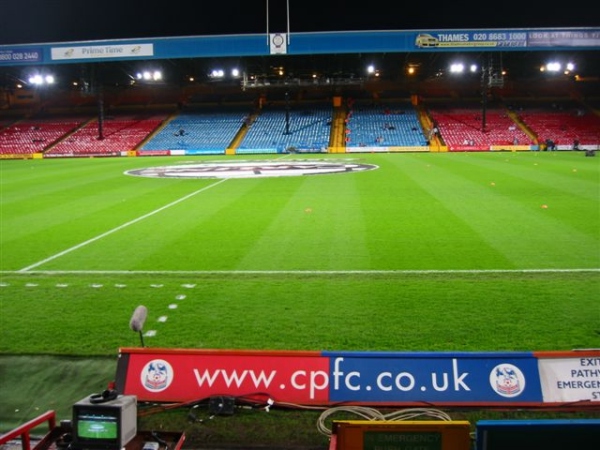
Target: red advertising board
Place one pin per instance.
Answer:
(325, 378)
(185, 375)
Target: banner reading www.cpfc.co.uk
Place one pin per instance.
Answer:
(362, 378)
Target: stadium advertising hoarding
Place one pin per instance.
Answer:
(369, 378)
(400, 41)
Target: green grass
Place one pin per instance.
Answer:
(89, 314)
(416, 212)
(440, 252)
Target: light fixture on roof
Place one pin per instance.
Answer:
(149, 75)
(457, 68)
(558, 67)
(41, 80)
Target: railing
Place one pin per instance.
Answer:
(23, 430)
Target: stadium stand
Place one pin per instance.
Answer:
(208, 130)
(29, 136)
(562, 124)
(118, 133)
(279, 129)
(361, 119)
(390, 124)
(465, 127)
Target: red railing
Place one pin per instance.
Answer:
(23, 430)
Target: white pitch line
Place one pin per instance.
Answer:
(294, 272)
(120, 227)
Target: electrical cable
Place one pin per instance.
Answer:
(375, 415)
(161, 441)
(254, 401)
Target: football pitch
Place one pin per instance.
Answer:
(494, 251)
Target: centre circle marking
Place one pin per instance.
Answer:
(251, 169)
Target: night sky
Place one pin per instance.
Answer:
(44, 21)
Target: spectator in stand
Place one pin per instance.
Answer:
(433, 132)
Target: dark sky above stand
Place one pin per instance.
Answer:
(44, 21)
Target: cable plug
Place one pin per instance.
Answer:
(270, 403)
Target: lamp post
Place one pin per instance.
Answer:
(96, 87)
(490, 76)
(287, 113)
(484, 92)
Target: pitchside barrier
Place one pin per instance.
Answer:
(400, 435)
(566, 379)
(553, 434)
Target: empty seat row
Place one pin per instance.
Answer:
(394, 124)
(277, 129)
